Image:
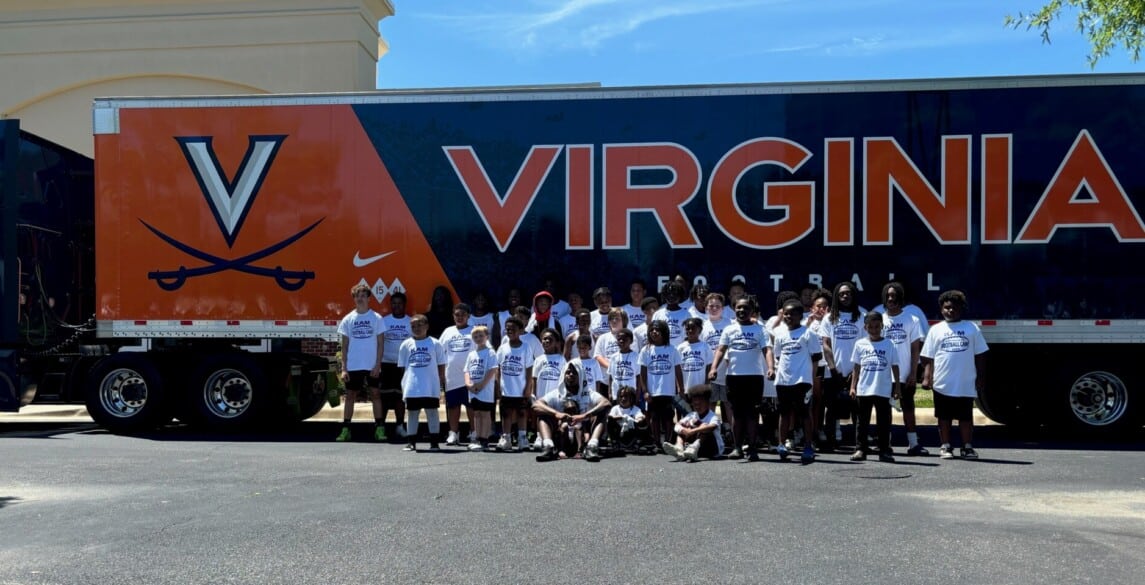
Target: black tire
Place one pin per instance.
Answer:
(124, 394)
(227, 391)
(1100, 402)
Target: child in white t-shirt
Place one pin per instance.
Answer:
(874, 381)
(695, 354)
(627, 425)
(422, 360)
(623, 366)
(797, 351)
(698, 433)
(593, 373)
(515, 369)
(953, 361)
(481, 380)
(661, 379)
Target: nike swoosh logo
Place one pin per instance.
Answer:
(360, 262)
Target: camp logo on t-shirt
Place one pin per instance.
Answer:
(954, 341)
(896, 333)
(362, 329)
(790, 345)
(744, 341)
(550, 371)
(460, 344)
(659, 364)
(477, 370)
(874, 360)
(692, 361)
(624, 370)
(420, 357)
(512, 365)
(846, 330)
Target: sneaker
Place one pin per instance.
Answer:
(946, 453)
(475, 446)
(591, 453)
(735, 454)
(789, 445)
(782, 452)
(538, 444)
(670, 449)
(434, 447)
(504, 444)
(860, 455)
(969, 453)
(410, 447)
(808, 455)
(451, 440)
(886, 457)
(691, 455)
(918, 451)
(402, 431)
(753, 455)
(344, 435)
(380, 434)
(547, 454)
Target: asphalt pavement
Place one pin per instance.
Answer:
(79, 505)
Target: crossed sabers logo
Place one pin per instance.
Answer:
(230, 200)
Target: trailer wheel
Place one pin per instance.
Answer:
(1099, 402)
(125, 394)
(228, 390)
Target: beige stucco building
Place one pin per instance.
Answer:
(55, 56)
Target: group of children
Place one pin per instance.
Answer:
(647, 376)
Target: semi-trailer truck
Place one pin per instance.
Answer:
(190, 269)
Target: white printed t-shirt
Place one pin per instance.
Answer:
(953, 346)
(362, 330)
(420, 358)
(514, 363)
(793, 351)
(874, 359)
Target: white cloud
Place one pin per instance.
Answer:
(583, 24)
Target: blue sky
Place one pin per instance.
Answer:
(442, 43)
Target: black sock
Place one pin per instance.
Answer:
(379, 422)
(346, 422)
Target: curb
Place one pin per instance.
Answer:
(363, 413)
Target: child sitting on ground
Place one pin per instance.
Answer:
(627, 425)
(697, 434)
(571, 435)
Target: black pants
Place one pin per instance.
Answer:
(882, 408)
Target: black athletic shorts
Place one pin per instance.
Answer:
(423, 403)
(960, 408)
(360, 380)
(791, 398)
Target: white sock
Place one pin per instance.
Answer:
(912, 439)
(593, 443)
(548, 443)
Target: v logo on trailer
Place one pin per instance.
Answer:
(230, 200)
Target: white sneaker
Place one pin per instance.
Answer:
(690, 454)
(475, 446)
(504, 444)
(674, 451)
(451, 440)
(538, 444)
(789, 445)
